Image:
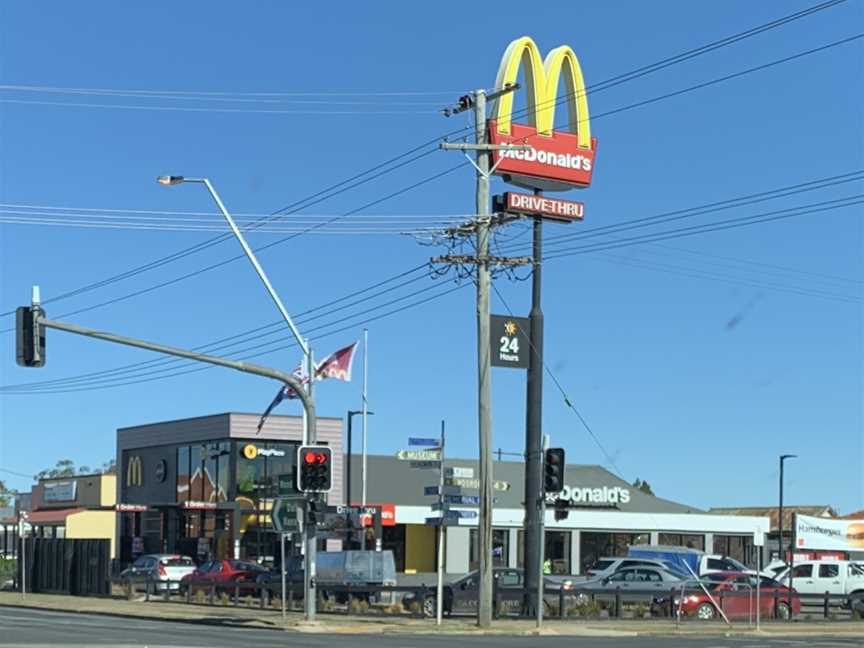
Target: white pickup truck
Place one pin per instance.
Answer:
(837, 577)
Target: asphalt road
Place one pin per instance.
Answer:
(38, 628)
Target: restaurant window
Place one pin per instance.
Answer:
(196, 477)
(183, 473)
(691, 541)
(739, 547)
(557, 551)
(223, 470)
(211, 455)
(594, 546)
(500, 548)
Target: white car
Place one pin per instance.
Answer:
(838, 577)
(165, 570)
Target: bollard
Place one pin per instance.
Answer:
(147, 590)
(776, 603)
(422, 602)
(212, 594)
(236, 594)
(618, 602)
(263, 596)
(827, 600)
(188, 593)
(720, 601)
(561, 603)
(672, 601)
(166, 595)
(349, 599)
(290, 597)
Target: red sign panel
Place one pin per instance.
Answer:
(554, 162)
(552, 208)
(388, 515)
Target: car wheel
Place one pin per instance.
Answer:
(705, 612)
(430, 607)
(784, 611)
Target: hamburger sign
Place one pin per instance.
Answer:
(825, 533)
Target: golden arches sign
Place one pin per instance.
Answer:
(558, 159)
(133, 472)
(541, 83)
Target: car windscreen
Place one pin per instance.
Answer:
(177, 561)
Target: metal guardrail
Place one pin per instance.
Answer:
(560, 603)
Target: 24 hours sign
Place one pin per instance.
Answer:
(509, 338)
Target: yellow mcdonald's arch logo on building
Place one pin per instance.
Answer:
(541, 83)
(133, 471)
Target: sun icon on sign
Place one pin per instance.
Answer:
(510, 327)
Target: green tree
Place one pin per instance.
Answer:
(6, 494)
(66, 468)
(643, 486)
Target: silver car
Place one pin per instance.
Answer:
(164, 570)
(649, 581)
(608, 566)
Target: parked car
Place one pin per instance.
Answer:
(648, 580)
(165, 570)
(838, 577)
(222, 573)
(336, 568)
(738, 593)
(608, 566)
(460, 595)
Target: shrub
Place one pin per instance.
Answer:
(585, 609)
(358, 606)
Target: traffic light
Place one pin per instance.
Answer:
(562, 509)
(314, 469)
(29, 337)
(315, 511)
(553, 470)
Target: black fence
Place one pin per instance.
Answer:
(559, 603)
(63, 566)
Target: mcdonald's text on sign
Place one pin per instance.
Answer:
(549, 208)
(558, 159)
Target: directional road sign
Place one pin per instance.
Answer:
(426, 464)
(498, 485)
(467, 500)
(286, 515)
(455, 471)
(419, 455)
(461, 514)
(422, 441)
(447, 490)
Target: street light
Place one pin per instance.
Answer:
(781, 555)
(309, 434)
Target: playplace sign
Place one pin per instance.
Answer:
(558, 160)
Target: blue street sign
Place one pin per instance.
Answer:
(448, 490)
(462, 514)
(468, 500)
(419, 441)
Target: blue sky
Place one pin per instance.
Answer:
(696, 360)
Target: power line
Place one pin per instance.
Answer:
(567, 401)
(708, 208)
(712, 227)
(341, 186)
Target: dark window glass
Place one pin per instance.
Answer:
(500, 548)
(224, 463)
(717, 563)
(802, 571)
(211, 456)
(183, 473)
(196, 478)
(829, 571)
(558, 551)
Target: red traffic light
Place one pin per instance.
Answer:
(310, 457)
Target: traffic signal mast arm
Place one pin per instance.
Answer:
(246, 367)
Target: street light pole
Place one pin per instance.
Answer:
(781, 555)
(309, 435)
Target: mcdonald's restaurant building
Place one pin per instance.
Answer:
(205, 486)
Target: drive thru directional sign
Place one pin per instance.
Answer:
(419, 455)
(286, 516)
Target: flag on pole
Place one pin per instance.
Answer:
(337, 365)
(284, 392)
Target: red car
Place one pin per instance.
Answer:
(736, 592)
(222, 573)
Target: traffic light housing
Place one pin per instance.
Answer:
(562, 509)
(314, 469)
(315, 511)
(29, 337)
(553, 470)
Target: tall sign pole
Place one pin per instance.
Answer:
(533, 431)
(484, 372)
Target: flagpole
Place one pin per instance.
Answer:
(365, 406)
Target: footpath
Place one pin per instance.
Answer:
(335, 623)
